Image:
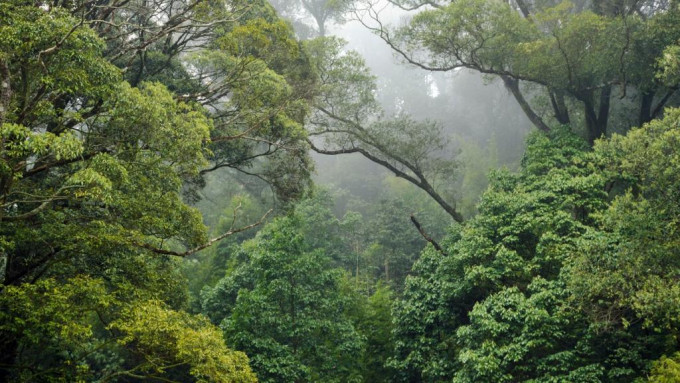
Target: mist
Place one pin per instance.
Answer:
(484, 127)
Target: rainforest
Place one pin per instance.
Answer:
(340, 191)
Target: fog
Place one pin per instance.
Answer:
(481, 120)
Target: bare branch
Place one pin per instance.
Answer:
(427, 237)
(205, 245)
(421, 182)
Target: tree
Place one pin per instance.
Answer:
(322, 11)
(284, 306)
(83, 143)
(81, 330)
(68, 171)
(395, 242)
(348, 119)
(543, 284)
(623, 275)
(665, 370)
(564, 50)
(95, 157)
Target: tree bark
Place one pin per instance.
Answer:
(646, 101)
(427, 237)
(513, 85)
(596, 121)
(559, 107)
(523, 8)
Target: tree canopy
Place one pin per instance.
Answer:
(588, 59)
(159, 220)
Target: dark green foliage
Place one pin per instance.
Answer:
(547, 282)
(285, 308)
(105, 117)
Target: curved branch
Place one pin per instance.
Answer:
(205, 245)
(415, 7)
(421, 182)
(513, 85)
(427, 237)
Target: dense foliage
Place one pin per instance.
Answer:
(105, 134)
(141, 144)
(556, 279)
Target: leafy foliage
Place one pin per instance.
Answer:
(575, 54)
(108, 114)
(547, 282)
(81, 331)
(348, 119)
(284, 307)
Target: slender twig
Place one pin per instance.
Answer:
(205, 245)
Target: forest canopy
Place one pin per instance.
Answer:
(161, 218)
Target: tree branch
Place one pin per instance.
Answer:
(427, 237)
(420, 182)
(513, 85)
(205, 245)
(47, 166)
(662, 102)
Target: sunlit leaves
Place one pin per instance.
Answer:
(670, 65)
(20, 142)
(169, 338)
(149, 119)
(83, 324)
(666, 370)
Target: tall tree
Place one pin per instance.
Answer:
(84, 330)
(284, 306)
(347, 119)
(555, 279)
(322, 11)
(94, 154)
(566, 51)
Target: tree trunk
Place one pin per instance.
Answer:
(320, 23)
(559, 107)
(535, 119)
(523, 8)
(603, 115)
(646, 107)
(596, 122)
(592, 127)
